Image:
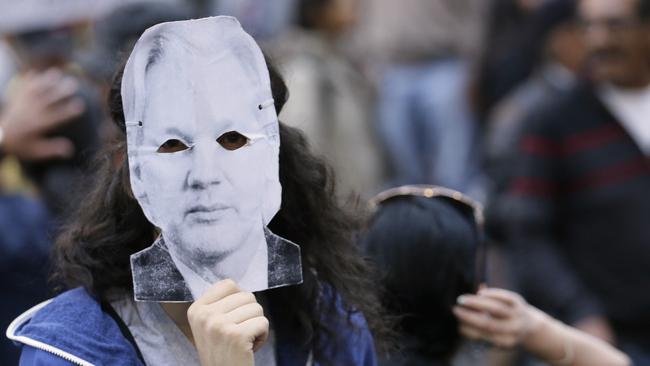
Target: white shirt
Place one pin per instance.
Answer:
(162, 342)
(632, 108)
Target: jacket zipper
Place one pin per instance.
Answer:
(51, 349)
(11, 334)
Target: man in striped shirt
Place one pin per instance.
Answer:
(579, 202)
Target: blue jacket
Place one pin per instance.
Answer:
(72, 329)
(25, 229)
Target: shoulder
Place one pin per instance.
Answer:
(564, 112)
(346, 339)
(71, 326)
(73, 308)
(358, 344)
(354, 344)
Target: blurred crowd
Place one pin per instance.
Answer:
(539, 109)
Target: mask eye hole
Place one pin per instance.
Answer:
(172, 146)
(232, 140)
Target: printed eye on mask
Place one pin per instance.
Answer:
(203, 149)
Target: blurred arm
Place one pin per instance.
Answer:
(504, 319)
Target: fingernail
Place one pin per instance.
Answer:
(461, 299)
(52, 72)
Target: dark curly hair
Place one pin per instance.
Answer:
(108, 226)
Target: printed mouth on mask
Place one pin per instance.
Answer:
(205, 214)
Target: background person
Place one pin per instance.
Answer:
(332, 100)
(559, 67)
(51, 98)
(419, 53)
(426, 240)
(48, 118)
(578, 203)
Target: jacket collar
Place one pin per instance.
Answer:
(73, 326)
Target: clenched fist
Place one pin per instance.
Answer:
(228, 325)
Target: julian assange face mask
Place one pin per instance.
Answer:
(203, 149)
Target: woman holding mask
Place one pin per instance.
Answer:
(320, 321)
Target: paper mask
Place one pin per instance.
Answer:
(203, 149)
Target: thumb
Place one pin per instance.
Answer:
(52, 148)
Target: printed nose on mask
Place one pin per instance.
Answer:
(204, 172)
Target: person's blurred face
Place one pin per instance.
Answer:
(340, 15)
(617, 42)
(530, 6)
(567, 47)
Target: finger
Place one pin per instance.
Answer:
(59, 114)
(481, 321)
(471, 333)
(503, 340)
(65, 88)
(232, 302)
(40, 83)
(218, 291)
(257, 329)
(505, 296)
(24, 82)
(244, 313)
(51, 148)
(495, 307)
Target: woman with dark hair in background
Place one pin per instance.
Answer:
(427, 248)
(427, 239)
(320, 321)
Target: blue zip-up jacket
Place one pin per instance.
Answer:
(73, 329)
(25, 229)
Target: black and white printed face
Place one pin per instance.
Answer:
(205, 181)
(204, 165)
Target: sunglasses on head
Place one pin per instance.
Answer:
(468, 207)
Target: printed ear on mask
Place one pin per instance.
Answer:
(134, 132)
(272, 202)
(136, 182)
(273, 195)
